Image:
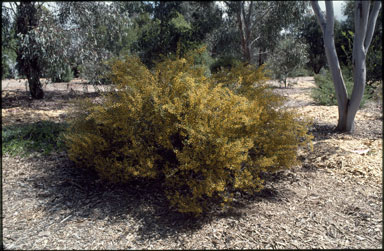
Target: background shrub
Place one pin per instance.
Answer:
(324, 93)
(225, 62)
(25, 139)
(64, 75)
(202, 136)
(302, 72)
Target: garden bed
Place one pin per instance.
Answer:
(332, 200)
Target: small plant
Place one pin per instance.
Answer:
(376, 91)
(325, 93)
(226, 62)
(65, 75)
(203, 136)
(302, 72)
(24, 139)
(289, 56)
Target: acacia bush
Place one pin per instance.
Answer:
(202, 136)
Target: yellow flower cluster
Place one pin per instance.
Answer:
(203, 136)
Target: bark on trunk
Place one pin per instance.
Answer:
(35, 86)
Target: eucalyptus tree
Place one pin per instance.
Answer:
(168, 25)
(98, 31)
(309, 33)
(40, 43)
(288, 56)
(375, 53)
(365, 16)
(8, 43)
(259, 24)
(28, 61)
(52, 36)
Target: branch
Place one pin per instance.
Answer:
(254, 40)
(39, 5)
(261, 18)
(249, 13)
(319, 15)
(371, 24)
(246, 21)
(259, 53)
(14, 11)
(361, 20)
(330, 16)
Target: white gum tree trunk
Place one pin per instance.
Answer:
(365, 21)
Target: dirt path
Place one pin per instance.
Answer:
(332, 200)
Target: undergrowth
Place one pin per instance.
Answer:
(42, 137)
(324, 93)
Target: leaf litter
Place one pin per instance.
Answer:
(332, 200)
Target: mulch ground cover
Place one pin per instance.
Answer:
(333, 199)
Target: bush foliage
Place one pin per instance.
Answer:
(65, 75)
(25, 139)
(203, 137)
(325, 93)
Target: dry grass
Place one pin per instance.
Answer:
(332, 200)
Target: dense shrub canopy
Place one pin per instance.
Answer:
(202, 136)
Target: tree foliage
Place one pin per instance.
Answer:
(259, 24)
(289, 55)
(186, 23)
(375, 53)
(309, 32)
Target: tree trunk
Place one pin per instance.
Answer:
(260, 59)
(35, 86)
(364, 26)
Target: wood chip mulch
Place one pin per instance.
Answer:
(332, 200)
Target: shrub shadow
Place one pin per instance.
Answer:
(321, 131)
(64, 187)
(19, 98)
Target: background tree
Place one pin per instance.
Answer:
(168, 23)
(29, 62)
(8, 43)
(259, 24)
(289, 55)
(365, 16)
(98, 32)
(309, 33)
(374, 54)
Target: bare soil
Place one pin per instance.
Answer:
(332, 200)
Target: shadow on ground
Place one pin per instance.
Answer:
(63, 187)
(367, 129)
(322, 131)
(18, 98)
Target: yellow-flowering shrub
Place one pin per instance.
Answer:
(203, 136)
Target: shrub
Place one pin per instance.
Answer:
(374, 91)
(5, 69)
(203, 137)
(225, 62)
(65, 75)
(325, 93)
(286, 59)
(302, 72)
(41, 137)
